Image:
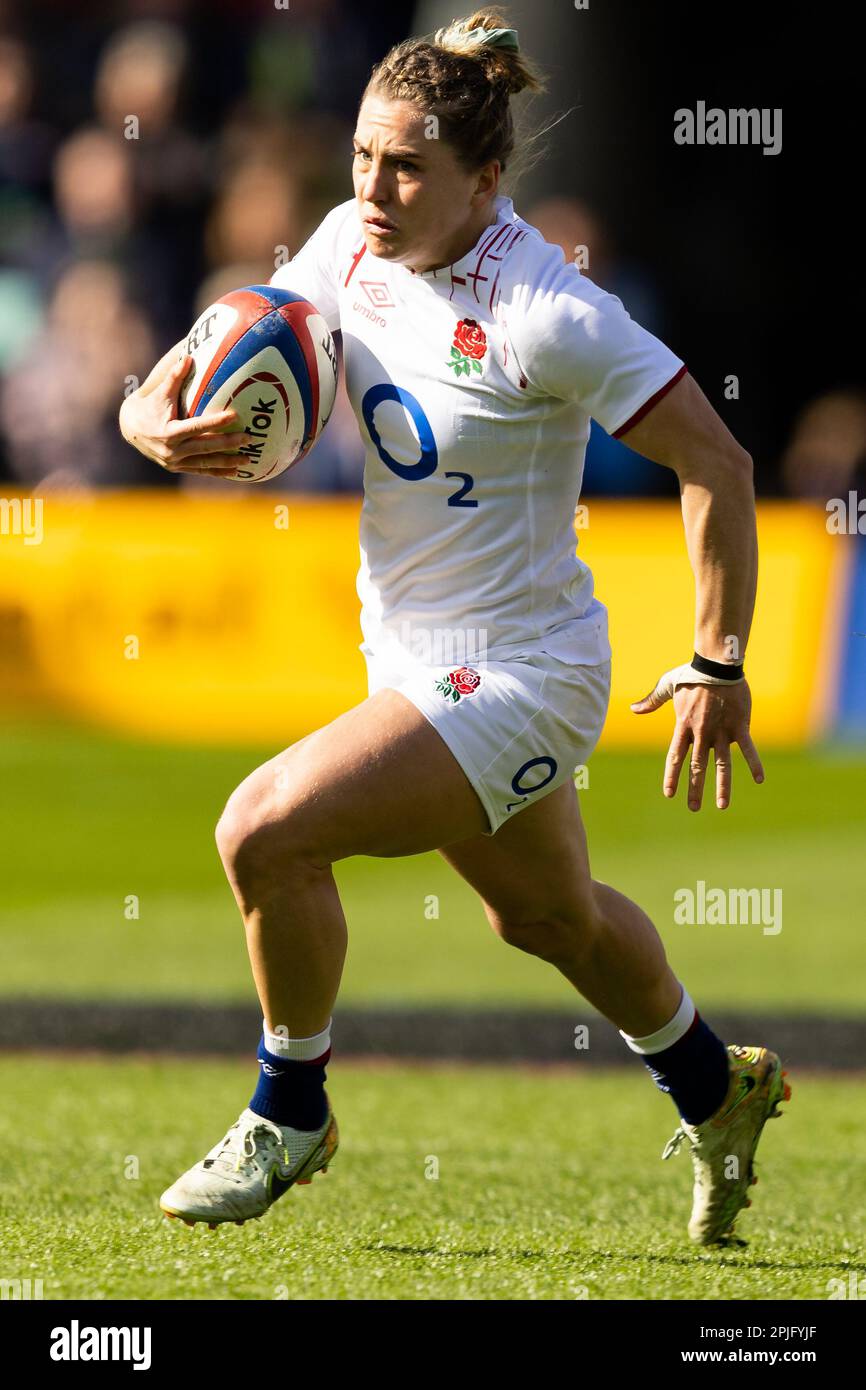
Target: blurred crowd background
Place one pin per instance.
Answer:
(114, 234)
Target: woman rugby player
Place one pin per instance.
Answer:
(474, 359)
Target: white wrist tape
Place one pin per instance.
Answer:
(687, 675)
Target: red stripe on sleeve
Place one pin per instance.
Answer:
(648, 405)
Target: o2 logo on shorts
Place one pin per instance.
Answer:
(429, 460)
(518, 784)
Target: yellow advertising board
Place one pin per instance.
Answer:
(235, 619)
(637, 553)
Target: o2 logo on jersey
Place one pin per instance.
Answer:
(518, 784)
(429, 460)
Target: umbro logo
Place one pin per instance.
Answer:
(268, 1069)
(370, 314)
(378, 293)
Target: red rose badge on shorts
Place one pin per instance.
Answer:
(463, 681)
(468, 348)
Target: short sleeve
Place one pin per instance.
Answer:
(577, 342)
(314, 271)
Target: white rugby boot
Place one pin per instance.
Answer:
(723, 1147)
(244, 1174)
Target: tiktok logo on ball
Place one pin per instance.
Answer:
(259, 412)
(259, 425)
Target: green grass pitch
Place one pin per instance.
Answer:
(89, 822)
(550, 1186)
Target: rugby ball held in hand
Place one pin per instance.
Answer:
(268, 354)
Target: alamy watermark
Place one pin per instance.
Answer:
(736, 126)
(22, 516)
(21, 1289)
(703, 906)
(77, 1343)
(847, 518)
(441, 646)
(852, 1288)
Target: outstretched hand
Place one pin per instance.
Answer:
(708, 717)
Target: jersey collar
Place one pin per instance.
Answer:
(445, 273)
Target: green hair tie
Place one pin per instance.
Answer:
(496, 38)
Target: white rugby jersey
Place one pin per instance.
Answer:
(473, 387)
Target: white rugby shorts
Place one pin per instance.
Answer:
(518, 728)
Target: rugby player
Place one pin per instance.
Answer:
(475, 357)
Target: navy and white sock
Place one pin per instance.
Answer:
(686, 1059)
(291, 1089)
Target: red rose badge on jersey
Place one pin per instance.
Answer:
(468, 348)
(463, 681)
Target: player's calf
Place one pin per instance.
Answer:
(563, 939)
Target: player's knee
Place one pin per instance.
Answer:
(237, 829)
(262, 832)
(562, 936)
(248, 834)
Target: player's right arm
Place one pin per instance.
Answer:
(149, 422)
(207, 444)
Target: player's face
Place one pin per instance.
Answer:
(418, 206)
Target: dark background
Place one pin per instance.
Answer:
(753, 260)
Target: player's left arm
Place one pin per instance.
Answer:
(683, 432)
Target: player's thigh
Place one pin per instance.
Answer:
(377, 780)
(535, 868)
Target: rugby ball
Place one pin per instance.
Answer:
(268, 354)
